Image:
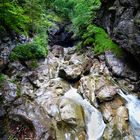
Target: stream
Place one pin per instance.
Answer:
(68, 96)
(133, 105)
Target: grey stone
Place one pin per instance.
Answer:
(119, 67)
(122, 24)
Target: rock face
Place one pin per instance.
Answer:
(7, 42)
(120, 67)
(121, 20)
(60, 35)
(67, 96)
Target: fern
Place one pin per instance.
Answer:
(31, 51)
(99, 39)
(13, 16)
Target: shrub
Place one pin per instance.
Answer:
(13, 16)
(29, 51)
(99, 39)
(83, 14)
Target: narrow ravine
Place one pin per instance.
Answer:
(68, 96)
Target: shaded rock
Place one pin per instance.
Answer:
(60, 35)
(58, 51)
(70, 50)
(36, 117)
(119, 67)
(8, 41)
(3, 121)
(10, 91)
(15, 70)
(120, 18)
(1, 63)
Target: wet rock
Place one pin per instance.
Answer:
(106, 93)
(48, 96)
(71, 112)
(49, 101)
(26, 88)
(116, 117)
(53, 64)
(57, 50)
(99, 68)
(119, 67)
(58, 86)
(104, 88)
(122, 118)
(87, 88)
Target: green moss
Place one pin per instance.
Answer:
(2, 79)
(30, 51)
(99, 39)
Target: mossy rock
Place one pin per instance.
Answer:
(36, 49)
(28, 52)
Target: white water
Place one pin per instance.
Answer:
(133, 105)
(94, 121)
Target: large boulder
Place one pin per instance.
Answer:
(77, 66)
(120, 67)
(116, 118)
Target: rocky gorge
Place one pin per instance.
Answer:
(74, 94)
(69, 95)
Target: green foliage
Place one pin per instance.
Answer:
(83, 14)
(64, 7)
(80, 12)
(97, 37)
(30, 51)
(36, 11)
(24, 15)
(2, 79)
(13, 16)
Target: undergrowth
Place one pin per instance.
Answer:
(100, 41)
(33, 50)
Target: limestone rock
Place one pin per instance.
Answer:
(71, 112)
(106, 93)
(119, 67)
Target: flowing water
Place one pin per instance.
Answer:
(94, 121)
(133, 105)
